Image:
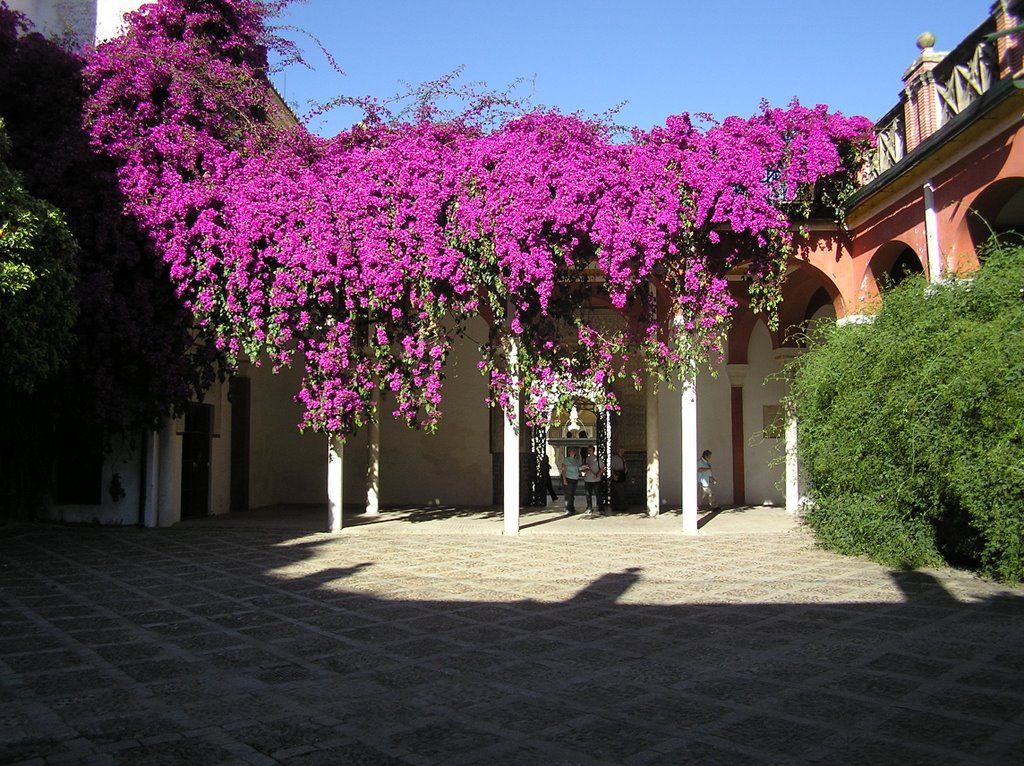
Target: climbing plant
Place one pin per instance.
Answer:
(364, 255)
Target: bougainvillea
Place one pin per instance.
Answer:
(363, 256)
(135, 357)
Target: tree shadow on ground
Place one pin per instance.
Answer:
(214, 646)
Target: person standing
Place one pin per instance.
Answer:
(545, 469)
(593, 471)
(706, 480)
(619, 472)
(570, 470)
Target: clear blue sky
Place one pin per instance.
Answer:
(663, 57)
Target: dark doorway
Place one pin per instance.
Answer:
(195, 461)
(79, 466)
(240, 396)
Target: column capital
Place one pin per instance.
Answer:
(784, 354)
(737, 374)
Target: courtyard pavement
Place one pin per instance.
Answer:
(430, 638)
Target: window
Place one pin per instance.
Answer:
(79, 467)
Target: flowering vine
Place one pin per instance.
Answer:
(363, 256)
(135, 357)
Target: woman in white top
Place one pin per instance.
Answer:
(593, 470)
(705, 480)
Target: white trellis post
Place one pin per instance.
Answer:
(510, 469)
(373, 467)
(335, 485)
(653, 456)
(784, 355)
(688, 433)
(792, 466)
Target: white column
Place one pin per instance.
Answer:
(688, 433)
(792, 467)
(151, 508)
(931, 234)
(653, 455)
(783, 356)
(510, 468)
(373, 466)
(335, 485)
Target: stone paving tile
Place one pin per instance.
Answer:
(246, 645)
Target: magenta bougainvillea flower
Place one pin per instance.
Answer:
(363, 256)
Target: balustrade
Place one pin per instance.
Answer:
(953, 84)
(890, 144)
(966, 73)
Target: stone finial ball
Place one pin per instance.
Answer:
(925, 40)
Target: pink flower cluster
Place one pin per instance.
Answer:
(365, 255)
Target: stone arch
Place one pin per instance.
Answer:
(744, 321)
(892, 263)
(817, 302)
(806, 292)
(998, 209)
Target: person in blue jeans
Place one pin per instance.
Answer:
(570, 470)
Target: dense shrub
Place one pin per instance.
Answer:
(912, 426)
(37, 262)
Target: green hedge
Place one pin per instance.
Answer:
(911, 427)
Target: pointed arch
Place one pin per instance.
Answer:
(998, 209)
(806, 292)
(744, 322)
(892, 263)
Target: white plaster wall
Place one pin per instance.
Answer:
(452, 465)
(168, 461)
(60, 18)
(125, 460)
(826, 313)
(286, 465)
(354, 469)
(125, 463)
(765, 469)
(84, 20)
(714, 432)
(109, 16)
(714, 428)
(670, 444)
